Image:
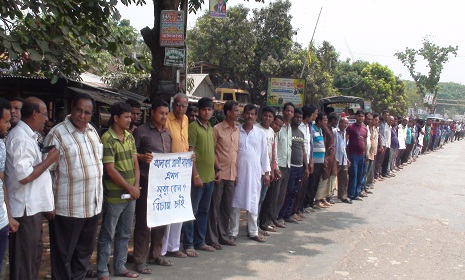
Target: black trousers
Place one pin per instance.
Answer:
(26, 248)
(72, 241)
(312, 185)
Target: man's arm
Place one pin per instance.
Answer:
(52, 157)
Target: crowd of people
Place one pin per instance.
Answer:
(277, 170)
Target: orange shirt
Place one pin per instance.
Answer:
(226, 149)
(179, 133)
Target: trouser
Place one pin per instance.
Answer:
(220, 212)
(386, 163)
(393, 158)
(116, 225)
(3, 245)
(355, 175)
(312, 185)
(406, 154)
(251, 223)
(72, 242)
(267, 210)
(400, 152)
(379, 163)
(172, 238)
(368, 168)
(194, 231)
(143, 235)
(263, 192)
(295, 180)
(299, 201)
(342, 181)
(281, 190)
(26, 248)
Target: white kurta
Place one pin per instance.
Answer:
(252, 162)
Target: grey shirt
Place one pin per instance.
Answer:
(298, 147)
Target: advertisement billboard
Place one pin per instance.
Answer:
(283, 90)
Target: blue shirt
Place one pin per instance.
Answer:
(318, 145)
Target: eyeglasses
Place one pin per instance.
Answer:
(180, 105)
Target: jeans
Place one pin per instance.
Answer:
(194, 231)
(263, 192)
(116, 224)
(3, 243)
(295, 179)
(367, 169)
(355, 175)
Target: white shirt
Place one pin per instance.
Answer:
(306, 131)
(23, 154)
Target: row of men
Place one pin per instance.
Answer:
(296, 156)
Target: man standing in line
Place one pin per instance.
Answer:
(328, 178)
(135, 113)
(308, 117)
(384, 144)
(121, 176)
(340, 143)
(284, 144)
(268, 116)
(318, 159)
(29, 189)
(177, 123)
(192, 113)
(298, 170)
(252, 141)
(371, 150)
(7, 222)
(357, 136)
(151, 137)
(16, 105)
(201, 141)
(226, 145)
(267, 214)
(77, 184)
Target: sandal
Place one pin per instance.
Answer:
(161, 260)
(91, 274)
(258, 238)
(263, 232)
(142, 269)
(206, 248)
(217, 246)
(269, 228)
(191, 253)
(177, 254)
(127, 274)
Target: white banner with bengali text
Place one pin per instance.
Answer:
(169, 189)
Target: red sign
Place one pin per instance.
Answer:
(172, 29)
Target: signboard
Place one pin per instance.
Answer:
(218, 8)
(169, 188)
(172, 29)
(174, 57)
(283, 90)
(367, 106)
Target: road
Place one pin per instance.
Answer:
(412, 227)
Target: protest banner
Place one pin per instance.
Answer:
(169, 189)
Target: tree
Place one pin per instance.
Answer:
(47, 38)
(435, 57)
(373, 82)
(228, 42)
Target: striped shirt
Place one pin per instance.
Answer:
(77, 178)
(120, 153)
(318, 145)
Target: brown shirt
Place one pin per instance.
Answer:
(226, 149)
(150, 140)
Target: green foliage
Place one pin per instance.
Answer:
(47, 38)
(372, 82)
(435, 57)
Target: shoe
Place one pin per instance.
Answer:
(278, 224)
(363, 195)
(330, 201)
(369, 192)
(258, 238)
(357, 198)
(326, 203)
(347, 200)
(297, 217)
(291, 220)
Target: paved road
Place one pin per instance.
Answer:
(412, 227)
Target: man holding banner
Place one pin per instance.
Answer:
(151, 137)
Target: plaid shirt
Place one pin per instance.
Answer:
(77, 179)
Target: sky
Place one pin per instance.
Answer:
(370, 30)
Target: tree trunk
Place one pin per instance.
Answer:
(163, 78)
